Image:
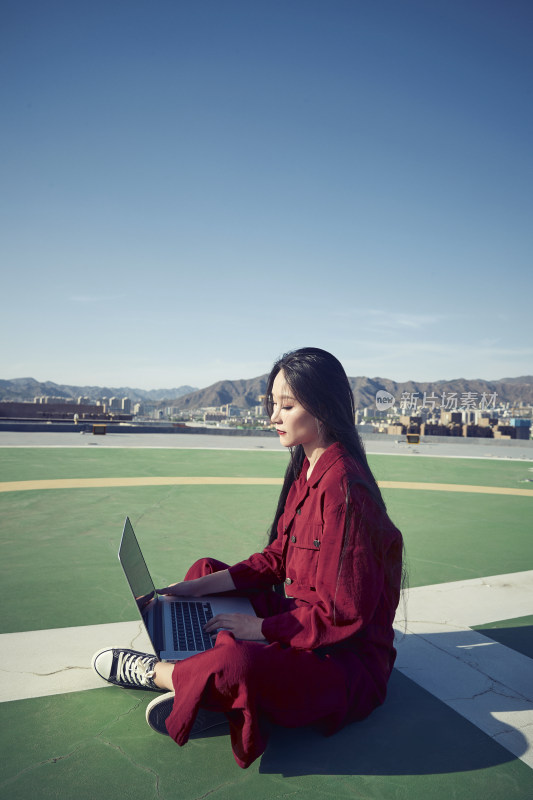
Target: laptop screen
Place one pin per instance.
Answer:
(135, 568)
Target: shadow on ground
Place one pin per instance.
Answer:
(413, 733)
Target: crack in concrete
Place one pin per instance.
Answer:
(100, 736)
(473, 665)
(215, 789)
(491, 690)
(97, 737)
(33, 767)
(120, 716)
(511, 729)
(128, 758)
(46, 674)
(139, 634)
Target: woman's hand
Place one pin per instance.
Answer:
(242, 626)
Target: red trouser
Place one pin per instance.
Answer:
(257, 683)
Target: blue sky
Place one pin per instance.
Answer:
(191, 188)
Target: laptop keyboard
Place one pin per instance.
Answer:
(188, 620)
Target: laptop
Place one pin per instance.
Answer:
(174, 624)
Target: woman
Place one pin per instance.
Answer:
(324, 651)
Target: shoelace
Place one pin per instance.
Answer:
(135, 669)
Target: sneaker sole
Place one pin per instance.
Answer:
(158, 711)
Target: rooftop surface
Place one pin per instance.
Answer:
(458, 721)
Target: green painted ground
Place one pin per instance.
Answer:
(65, 541)
(471, 471)
(90, 462)
(23, 464)
(96, 745)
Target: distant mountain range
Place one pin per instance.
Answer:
(25, 389)
(245, 393)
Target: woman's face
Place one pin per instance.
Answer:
(294, 424)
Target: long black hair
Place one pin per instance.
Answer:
(319, 382)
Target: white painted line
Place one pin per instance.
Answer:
(57, 661)
(487, 683)
(472, 602)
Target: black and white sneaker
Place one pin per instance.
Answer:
(157, 712)
(126, 668)
(159, 709)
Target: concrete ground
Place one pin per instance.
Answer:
(464, 448)
(458, 721)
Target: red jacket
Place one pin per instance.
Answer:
(344, 578)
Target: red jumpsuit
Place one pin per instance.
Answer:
(329, 650)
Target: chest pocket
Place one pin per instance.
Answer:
(303, 553)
